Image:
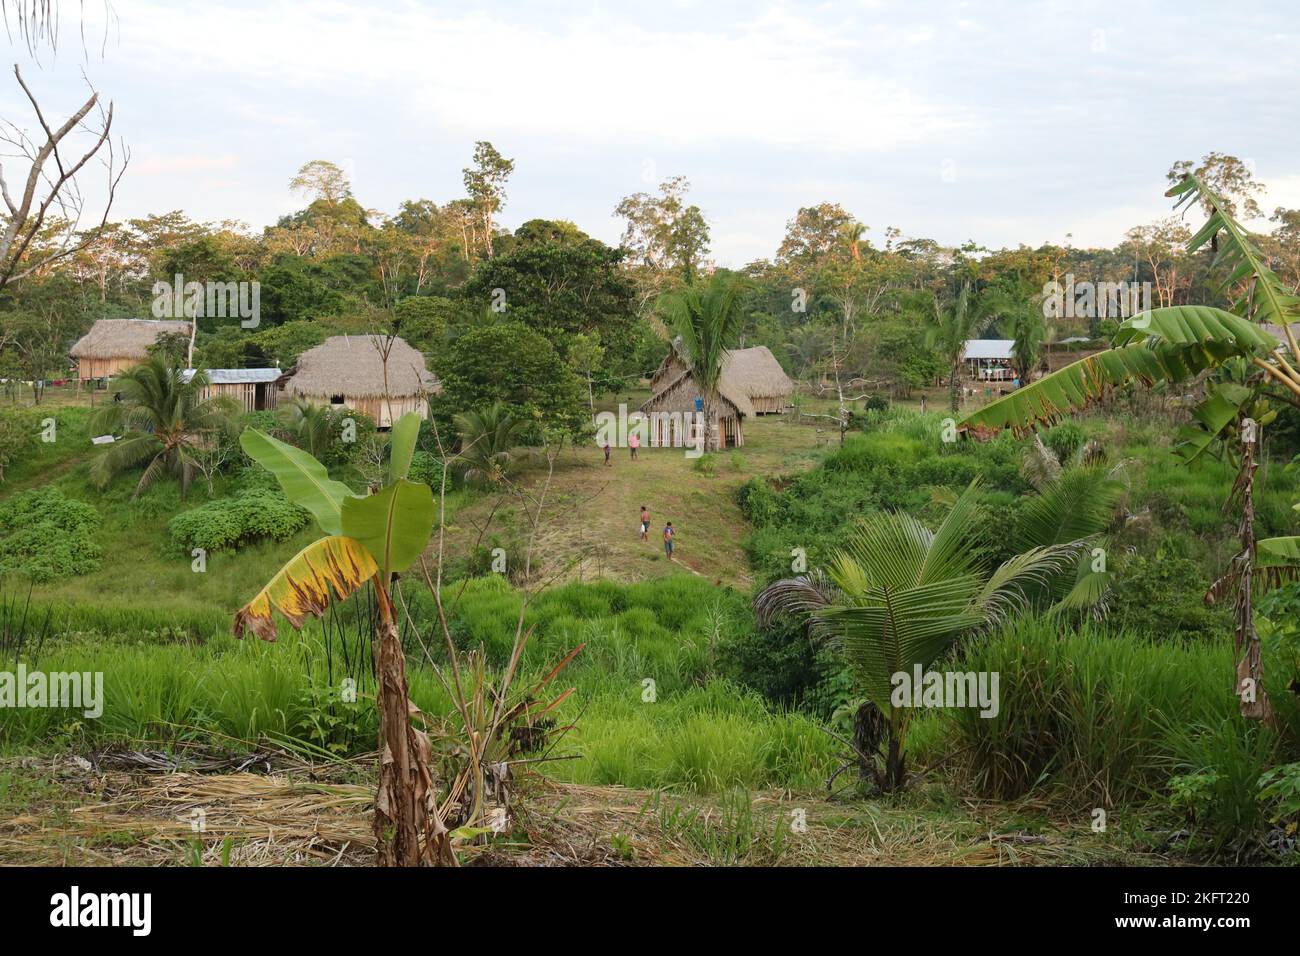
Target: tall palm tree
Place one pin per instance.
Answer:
(707, 318)
(489, 443)
(165, 423)
(853, 233)
(952, 324)
(311, 425)
(1028, 332)
(898, 595)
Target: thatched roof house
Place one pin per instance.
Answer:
(753, 372)
(254, 388)
(348, 370)
(113, 345)
(752, 383)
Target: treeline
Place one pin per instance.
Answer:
(549, 313)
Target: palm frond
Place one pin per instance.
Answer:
(1164, 345)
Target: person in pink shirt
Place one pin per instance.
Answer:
(634, 442)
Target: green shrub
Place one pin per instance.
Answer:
(707, 464)
(45, 536)
(18, 431)
(1065, 439)
(1162, 594)
(228, 523)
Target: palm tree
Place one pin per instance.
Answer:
(1028, 334)
(489, 443)
(310, 424)
(707, 319)
(165, 421)
(898, 595)
(853, 233)
(952, 325)
(1176, 344)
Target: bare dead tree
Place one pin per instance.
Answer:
(50, 190)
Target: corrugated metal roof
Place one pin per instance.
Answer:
(988, 348)
(238, 376)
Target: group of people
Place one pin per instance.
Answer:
(633, 443)
(668, 532)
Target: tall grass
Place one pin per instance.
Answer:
(1098, 717)
(649, 712)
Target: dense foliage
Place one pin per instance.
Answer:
(228, 523)
(45, 536)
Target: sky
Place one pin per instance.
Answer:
(1002, 123)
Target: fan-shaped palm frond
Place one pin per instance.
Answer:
(897, 595)
(490, 439)
(164, 421)
(311, 425)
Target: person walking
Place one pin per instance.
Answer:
(607, 461)
(668, 540)
(633, 443)
(645, 523)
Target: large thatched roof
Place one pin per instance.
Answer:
(124, 338)
(352, 365)
(746, 373)
(757, 371)
(679, 392)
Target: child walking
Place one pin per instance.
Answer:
(668, 540)
(645, 523)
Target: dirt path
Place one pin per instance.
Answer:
(592, 525)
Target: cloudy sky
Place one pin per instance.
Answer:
(999, 122)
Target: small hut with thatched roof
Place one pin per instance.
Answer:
(752, 371)
(114, 345)
(671, 410)
(349, 371)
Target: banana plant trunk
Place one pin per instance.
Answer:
(1250, 667)
(408, 830)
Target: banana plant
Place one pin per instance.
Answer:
(368, 539)
(1175, 345)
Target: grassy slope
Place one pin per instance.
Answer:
(596, 509)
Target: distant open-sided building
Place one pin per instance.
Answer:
(988, 360)
(348, 371)
(752, 383)
(256, 389)
(114, 345)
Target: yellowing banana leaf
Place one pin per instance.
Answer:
(303, 585)
(393, 524)
(401, 445)
(304, 480)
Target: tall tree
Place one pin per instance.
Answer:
(485, 182)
